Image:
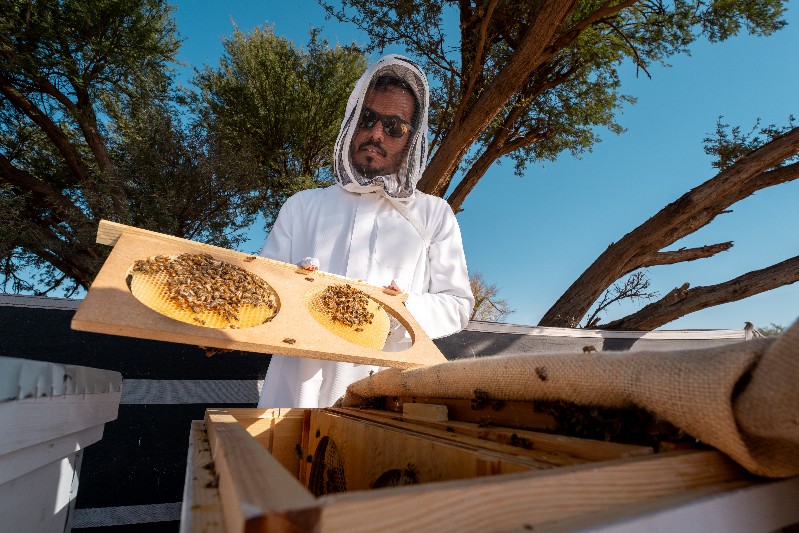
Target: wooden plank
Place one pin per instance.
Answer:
(513, 414)
(525, 500)
(588, 449)
(110, 307)
(369, 449)
(743, 506)
(425, 411)
(20, 462)
(256, 492)
(202, 508)
(34, 420)
(279, 431)
(541, 459)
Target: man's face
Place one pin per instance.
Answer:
(376, 152)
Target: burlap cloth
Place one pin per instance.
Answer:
(741, 398)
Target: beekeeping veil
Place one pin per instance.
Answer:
(401, 176)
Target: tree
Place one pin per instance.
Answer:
(274, 110)
(91, 129)
(487, 306)
(770, 164)
(63, 66)
(527, 80)
(771, 330)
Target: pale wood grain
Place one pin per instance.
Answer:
(255, 490)
(588, 449)
(109, 307)
(525, 500)
(202, 508)
(515, 414)
(539, 458)
(425, 411)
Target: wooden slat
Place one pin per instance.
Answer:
(513, 414)
(425, 411)
(257, 493)
(370, 448)
(588, 449)
(202, 509)
(741, 506)
(524, 501)
(30, 421)
(542, 459)
(279, 431)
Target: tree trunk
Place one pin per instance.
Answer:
(695, 209)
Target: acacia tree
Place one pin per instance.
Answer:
(63, 66)
(274, 110)
(529, 79)
(91, 129)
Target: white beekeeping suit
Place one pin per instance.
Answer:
(373, 225)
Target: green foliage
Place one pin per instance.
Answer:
(63, 64)
(274, 110)
(171, 182)
(771, 330)
(564, 104)
(729, 143)
(90, 129)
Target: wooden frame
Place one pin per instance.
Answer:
(251, 463)
(109, 307)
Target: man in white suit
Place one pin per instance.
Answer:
(374, 225)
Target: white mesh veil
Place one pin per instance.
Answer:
(396, 170)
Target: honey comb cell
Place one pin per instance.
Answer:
(201, 290)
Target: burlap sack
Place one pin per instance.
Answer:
(741, 398)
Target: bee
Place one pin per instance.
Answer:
(200, 283)
(541, 372)
(289, 340)
(479, 400)
(249, 258)
(308, 278)
(588, 349)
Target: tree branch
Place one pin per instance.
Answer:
(530, 55)
(682, 300)
(51, 197)
(685, 254)
(690, 212)
(477, 62)
(53, 132)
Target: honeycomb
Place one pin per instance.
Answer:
(152, 289)
(369, 335)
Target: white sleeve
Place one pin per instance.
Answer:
(445, 307)
(278, 241)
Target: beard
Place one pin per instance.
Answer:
(366, 163)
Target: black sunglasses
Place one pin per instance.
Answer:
(393, 125)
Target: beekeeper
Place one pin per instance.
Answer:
(375, 226)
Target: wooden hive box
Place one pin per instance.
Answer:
(439, 466)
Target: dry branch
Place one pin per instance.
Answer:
(695, 209)
(683, 300)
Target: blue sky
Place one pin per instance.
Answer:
(533, 236)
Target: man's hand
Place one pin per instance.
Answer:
(395, 286)
(309, 263)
